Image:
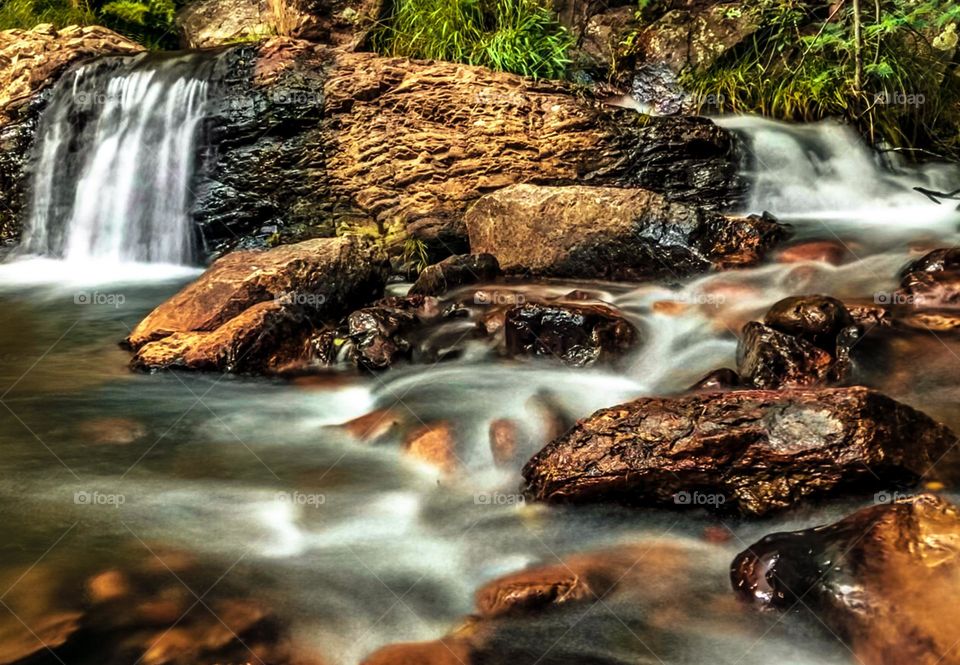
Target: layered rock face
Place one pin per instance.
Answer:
(209, 23)
(612, 233)
(30, 62)
(750, 451)
(885, 579)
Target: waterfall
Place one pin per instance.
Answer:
(115, 160)
(824, 171)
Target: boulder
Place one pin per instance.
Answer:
(833, 252)
(252, 309)
(434, 444)
(578, 334)
(380, 335)
(456, 271)
(210, 23)
(885, 579)
(30, 62)
(750, 451)
(610, 233)
(929, 294)
(816, 319)
(337, 22)
(685, 37)
(535, 589)
(505, 444)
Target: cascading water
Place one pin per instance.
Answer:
(115, 161)
(825, 171)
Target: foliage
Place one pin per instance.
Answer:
(517, 36)
(148, 21)
(415, 251)
(803, 65)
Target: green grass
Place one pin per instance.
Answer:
(802, 67)
(149, 22)
(517, 36)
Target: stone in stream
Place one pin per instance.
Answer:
(577, 334)
(929, 294)
(885, 579)
(256, 310)
(612, 233)
(380, 335)
(804, 341)
(456, 271)
(434, 444)
(748, 451)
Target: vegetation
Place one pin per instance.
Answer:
(149, 22)
(887, 68)
(519, 36)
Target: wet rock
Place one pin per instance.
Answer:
(768, 358)
(108, 585)
(253, 311)
(929, 294)
(375, 425)
(719, 379)
(456, 271)
(816, 319)
(833, 252)
(884, 579)
(611, 233)
(575, 334)
(31, 61)
(806, 340)
(752, 451)
(379, 334)
(434, 444)
(532, 590)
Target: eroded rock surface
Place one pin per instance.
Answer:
(610, 233)
(885, 579)
(752, 451)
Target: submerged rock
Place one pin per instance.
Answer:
(610, 233)
(455, 271)
(576, 334)
(253, 311)
(751, 451)
(929, 294)
(884, 579)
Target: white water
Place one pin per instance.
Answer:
(824, 172)
(115, 163)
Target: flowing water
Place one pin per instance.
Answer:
(253, 488)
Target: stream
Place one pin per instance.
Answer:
(222, 487)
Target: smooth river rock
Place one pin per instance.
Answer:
(612, 233)
(748, 451)
(885, 579)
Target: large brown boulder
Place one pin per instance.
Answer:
(30, 62)
(334, 22)
(256, 300)
(929, 294)
(884, 579)
(611, 233)
(752, 451)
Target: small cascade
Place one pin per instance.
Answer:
(825, 171)
(115, 161)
